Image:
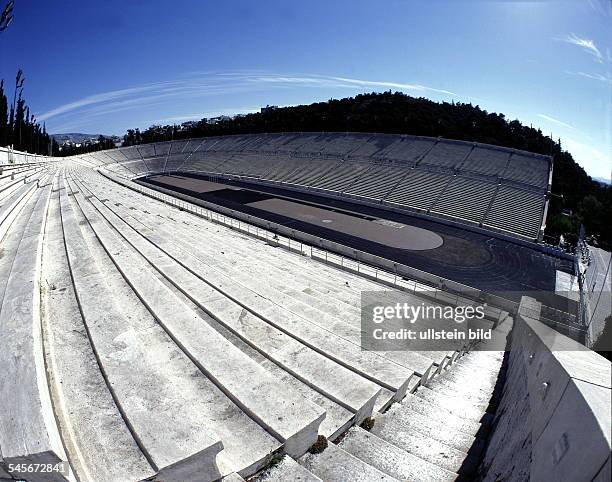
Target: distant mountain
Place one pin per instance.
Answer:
(603, 180)
(76, 137)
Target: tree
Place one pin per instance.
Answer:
(7, 16)
(17, 125)
(4, 125)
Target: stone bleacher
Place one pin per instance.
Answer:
(418, 189)
(523, 169)
(454, 179)
(466, 198)
(516, 211)
(140, 341)
(446, 154)
(192, 360)
(487, 161)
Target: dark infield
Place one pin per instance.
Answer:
(474, 259)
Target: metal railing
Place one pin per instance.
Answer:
(497, 308)
(344, 262)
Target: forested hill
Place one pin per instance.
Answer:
(388, 112)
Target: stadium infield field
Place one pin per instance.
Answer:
(474, 259)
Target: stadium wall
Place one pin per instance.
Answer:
(553, 421)
(10, 156)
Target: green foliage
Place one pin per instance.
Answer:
(7, 16)
(559, 224)
(18, 127)
(368, 424)
(319, 446)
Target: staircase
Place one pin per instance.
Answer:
(148, 343)
(437, 433)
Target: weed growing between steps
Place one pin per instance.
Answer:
(368, 424)
(273, 459)
(319, 446)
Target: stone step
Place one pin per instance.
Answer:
(486, 369)
(481, 358)
(9, 193)
(489, 370)
(390, 459)
(286, 470)
(28, 429)
(480, 363)
(458, 387)
(456, 405)
(10, 209)
(479, 377)
(291, 419)
(336, 382)
(401, 419)
(468, 391)
(194, 232)
(143, 368)
(17, 176)
(6, 171)
(97, 440)
(463, 384)
(337, 465)
(452, 420)
(9, 188)
(328, 336)
(497, 355)
(423, 446)
(209, 258)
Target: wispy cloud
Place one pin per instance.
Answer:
(555, 121)
(92, 100)
(166, 94)
(331, 81)
(202, 115)
(586, 44)
(601, 7)
(600, 77)
(594, 161)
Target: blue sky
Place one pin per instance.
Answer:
(104, 67)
